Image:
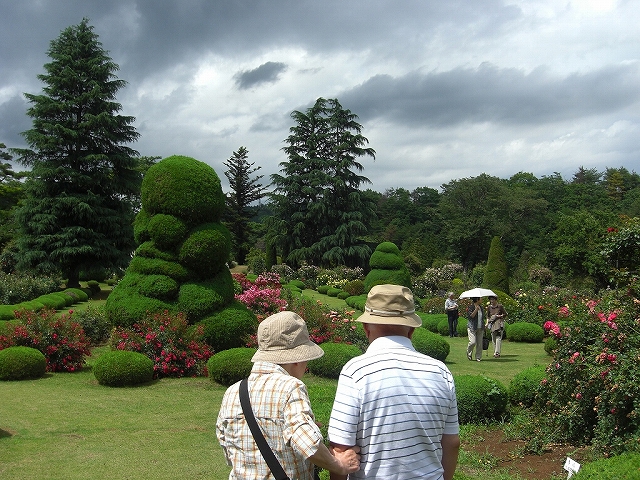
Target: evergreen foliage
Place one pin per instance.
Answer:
(336, 355)
(387, 267)
(480, 399)
(181, 264)
(21, 363)
(525, 332)
(320, 180)
(496, 274)
(230, 366)
(122, 368)
(524, 386)
(431, 344)
(83, 181)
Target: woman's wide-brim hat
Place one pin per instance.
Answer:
(284, 338)
(390, 305)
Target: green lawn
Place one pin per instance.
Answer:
(65, 426)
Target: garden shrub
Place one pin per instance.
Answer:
(17, 288)
(336, 355)
(230, 327)
(122, 368)
(167, 231)
(6, 312)
(430, 322)
(433, 305)
(625, 466)
(21, 363)
(292, 288)
(297, 283)
(592, 386)
(263, 297)
(161, 287)
(480, 399)
(550, 345)
(230, 366)
(524, 386)
(443, 327)
(94, 286)
(343, 295)
(196, 250)
(197, 299)
(52, 301)
(61, 340)
(354, 287)
(358, 302)
(431, 344)
(323, 289)
(94, 323)
(462, 327)
(525, 332)
(287, 275)
(333, 292)
(387, 267)
(176, 349)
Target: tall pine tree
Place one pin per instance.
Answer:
(83, 183)
(321, 214)
(244, 191)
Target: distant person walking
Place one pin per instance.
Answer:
(451, 307)
(475, 328)
(495, 322)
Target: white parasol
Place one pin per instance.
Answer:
(477, 293)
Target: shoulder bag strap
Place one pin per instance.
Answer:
(265, 449)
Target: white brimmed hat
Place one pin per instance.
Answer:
(390, 305)
(284, 338)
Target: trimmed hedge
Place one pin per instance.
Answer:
(22, 363)
(230, 327)
(430, 343)
(523, 388)
(121, 368)
(230, 366)
(525, 332)
(480, 399)
(336, 355)
(429, 321)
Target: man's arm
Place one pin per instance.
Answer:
(339, 462)
(339, 449)
(450, 448)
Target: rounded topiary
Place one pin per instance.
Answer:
(158, 286)
(21, 363)
(336, 355)
(167, 231)
(523, 388)
(230, 327)
(443, 327)
(158, 266)
(195, 251)
(52, 301)
(333, 292)
(430, 343)
(525, 332)
(430, 322)
(185, 188)
(343, 295)
(6, 312)
(298, 283)
(323, 289)
(357, 302)
(625, 466)
(77, 294)
(387, 267)
(140, 227)
(230, 366)
(121, 368)
(480, 398)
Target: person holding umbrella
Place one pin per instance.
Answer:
(476, 318)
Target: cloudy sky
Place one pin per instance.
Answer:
(445, 89)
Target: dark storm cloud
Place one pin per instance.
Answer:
(265, 73)
(14, 121)
(492, 94)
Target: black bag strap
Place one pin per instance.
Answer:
(265, 449)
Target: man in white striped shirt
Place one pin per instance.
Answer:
(398, 405)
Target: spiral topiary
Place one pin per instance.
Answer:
(230, 327)
(121, 368)
(230, 366)
(430, 343)
(525, 332)
(21, 363)
(523, 388)
(480, 398)
(387, 267)
(336, 355)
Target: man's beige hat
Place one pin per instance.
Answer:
(390, 305)
(283, 338)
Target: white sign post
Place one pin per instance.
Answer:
(571, 466)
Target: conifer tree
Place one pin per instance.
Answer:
(495, 273)
(83, 183)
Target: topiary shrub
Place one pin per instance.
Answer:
(122, 368)
(336, 355)
(333, 292)
(523, 388)
(297, 283)
(323, 289)
(462, 327)
(22, 363)
(196, 250)
(443, 327)
(6, 312)
(480, 399)
(94, 286)
(357, 302)
(387, 267)
(343, 295)
(525, 332)
(230, 366)
(430, 322)
(431, 344)
(230, 327)
(52, 301)
(167, 231)
(625, 466)
(496, 271)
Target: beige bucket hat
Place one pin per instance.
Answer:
(390, 305)
(284, 338)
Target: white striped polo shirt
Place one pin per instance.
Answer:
(395, 404)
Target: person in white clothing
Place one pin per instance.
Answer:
(398, 405)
